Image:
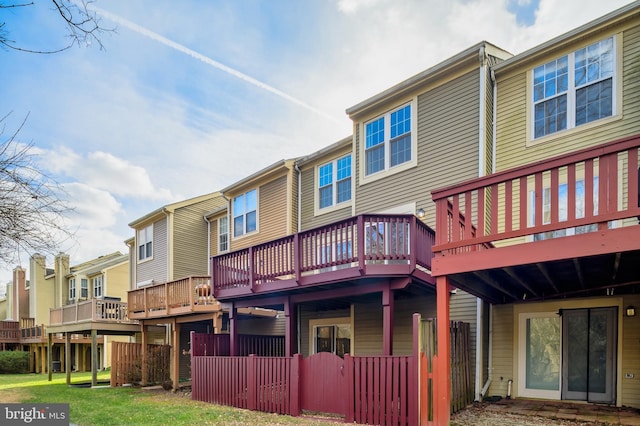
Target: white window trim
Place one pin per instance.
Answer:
(93, 286)
(220, 250)
(153, 250)
(84, 280)
(388, 171)
(334, 206)
(72, 286)
(313, 323)
(616, 113)
(231, 222)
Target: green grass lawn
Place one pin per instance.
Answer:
(128, 405)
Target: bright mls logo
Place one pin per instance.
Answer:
(37, 414)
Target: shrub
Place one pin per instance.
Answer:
(14, 362)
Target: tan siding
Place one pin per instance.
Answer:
(309, 220)
(156, 268)
(307, 313)
(190, 238)
(503, 323)
(293, 204)
(447, 149)
(630, 355)
(261, 326)
(272, 215)
(512, 114)
(116, 282)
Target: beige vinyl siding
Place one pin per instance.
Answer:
(464, 307)
(309, 189)
(190, 238)
(488, 122)
(502, 349)
(630, 354)
(307, 312)
(272, 215)
(261, 326)
(156, 268)
(115, 282)
(447, 138)
(293, 201)
(512, 98)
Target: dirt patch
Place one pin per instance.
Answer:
(11, 396)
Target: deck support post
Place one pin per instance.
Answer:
(442, 359)
(233, 330)
(145, 356)
(67, 356)
(387, 321)
(176, 355)
(94, 357)
(49, 357)
(289, 334)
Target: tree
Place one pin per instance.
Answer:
(83, 25)
(32, 205)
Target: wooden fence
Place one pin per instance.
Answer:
(220, 345)
(126, 364)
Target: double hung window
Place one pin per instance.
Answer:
(245, 213)
(574, 89)
(97, 286)
(334, 182)
(388, 141)
(223, 234)
(72, 289)
(145, 243)
(84, 288)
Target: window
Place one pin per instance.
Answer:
(563, 209)
(72, 289)
(574, 89)
(388, 141)
(223, 234)
(245, 215)
(145, 243)
(540, 356)
(334, 182)
(84, 288)
(335, 339)
(97, 286)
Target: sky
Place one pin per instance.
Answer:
(189, 97)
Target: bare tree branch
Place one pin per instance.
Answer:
(83, 26)
(32, 205)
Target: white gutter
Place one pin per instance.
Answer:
(493, 121)
(490, 356)
(481, 115)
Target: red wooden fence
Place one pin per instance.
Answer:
(219, 345)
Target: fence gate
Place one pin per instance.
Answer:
(323, 385)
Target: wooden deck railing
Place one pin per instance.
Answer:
(191, 294)
(9, 331)
(400, 243)
(96, 310)
(578, 192)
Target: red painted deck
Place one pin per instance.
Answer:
(355, 248)
(564, 226)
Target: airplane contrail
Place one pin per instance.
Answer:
(181, 48)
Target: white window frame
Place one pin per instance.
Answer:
(97, 284)
(144, 242)
(342, 321)
(84, 288)
(72, 289)
(223, 237)
(244, 214)
(334, 185)
(388, 169)
(571, 91)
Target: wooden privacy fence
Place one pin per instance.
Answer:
(220, 345)
(126, 364)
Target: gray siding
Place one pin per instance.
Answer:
(190, 238)
(156, 268)
(447, 141)
(261, 326)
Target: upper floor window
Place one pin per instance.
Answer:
(388, 141)
(145, 242)
(334, 182)
(97, 286)
(574, 89)
(72, 289)
(223, 234)
(245, 213)
(84, 288)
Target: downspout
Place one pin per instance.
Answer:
(295, 166)
(208, 244)
(482, 114)
(479, 324)
(169, 275)
(493, 121)
(490, 355)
